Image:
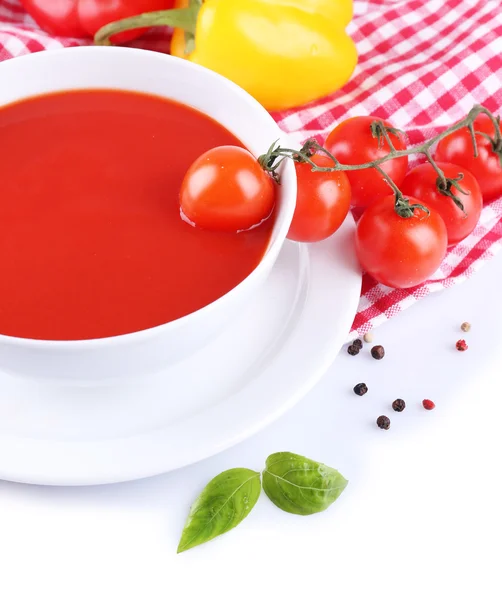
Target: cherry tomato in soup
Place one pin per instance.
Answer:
(226, 189)
(322, 201)
(422, 183)
(457, 148)
(353, 143)
(400, 252)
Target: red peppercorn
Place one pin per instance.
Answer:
(428, 404)
(461, 345)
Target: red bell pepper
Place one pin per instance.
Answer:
(82, 18)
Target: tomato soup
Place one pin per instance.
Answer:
(91, 240)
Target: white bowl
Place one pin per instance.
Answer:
(142, 352)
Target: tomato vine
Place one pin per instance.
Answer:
(272, 159)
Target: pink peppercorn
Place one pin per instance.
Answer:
(461, 345)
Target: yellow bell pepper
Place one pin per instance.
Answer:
(285, 53)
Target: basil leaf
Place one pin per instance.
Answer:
(222, 505)
(299, 485)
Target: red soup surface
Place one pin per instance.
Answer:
(91, 241)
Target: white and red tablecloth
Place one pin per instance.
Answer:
(422, 64)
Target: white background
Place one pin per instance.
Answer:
(420, 518)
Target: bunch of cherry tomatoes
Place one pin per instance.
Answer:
(227, 189)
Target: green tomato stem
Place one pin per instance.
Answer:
(183, 18)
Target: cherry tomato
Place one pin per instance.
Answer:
(400, 252)
(352, 143)
(322, 201)
(457, 148)
(421, 183)
(83, 18)
(226, 189)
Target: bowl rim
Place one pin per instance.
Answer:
(288, 174)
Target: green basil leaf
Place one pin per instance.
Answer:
(222, 505)
(299, 485)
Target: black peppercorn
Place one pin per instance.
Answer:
(399, 405)
(357, 343)
(383, 422)
(378, 352)
(360, 389)
(353, 350)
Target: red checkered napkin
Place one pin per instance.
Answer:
(422, 64)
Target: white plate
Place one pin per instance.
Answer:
(255, 371)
